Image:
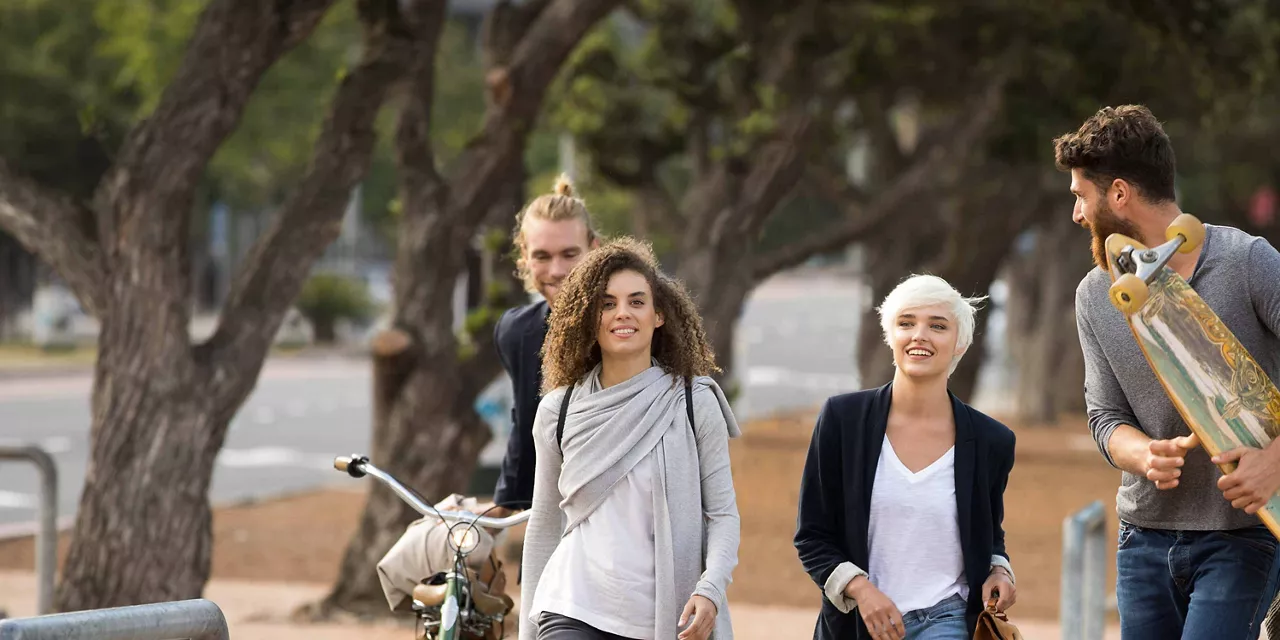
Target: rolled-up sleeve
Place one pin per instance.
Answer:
(818, 537)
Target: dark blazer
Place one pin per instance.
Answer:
(519, 335)
(835, 496)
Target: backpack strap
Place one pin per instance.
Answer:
(564, 410)
(688, 403)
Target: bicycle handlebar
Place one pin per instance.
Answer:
(358, 466)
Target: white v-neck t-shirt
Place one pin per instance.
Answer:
(914, 533)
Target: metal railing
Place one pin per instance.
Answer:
(1083, 610)
(47, 537)
(193, 619)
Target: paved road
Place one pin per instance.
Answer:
(795, 348)
(283, 439)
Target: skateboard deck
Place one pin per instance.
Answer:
(1221, 392)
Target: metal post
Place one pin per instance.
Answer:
(1082, 612)
(47, 538)
(1095, 575)
(1069, 608)
(193, 619)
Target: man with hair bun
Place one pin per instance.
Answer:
(552, 234)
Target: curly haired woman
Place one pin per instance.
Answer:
(634, 527)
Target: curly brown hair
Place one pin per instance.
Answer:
(1125, 142)
(680, 345)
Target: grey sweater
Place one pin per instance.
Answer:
(1237, 275)
(607, 432)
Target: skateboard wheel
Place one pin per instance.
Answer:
(1189, 227)
(1128, 293)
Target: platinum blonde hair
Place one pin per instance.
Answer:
(919, 291)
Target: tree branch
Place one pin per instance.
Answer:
(518, 91)
(162, 159)
(441, 218)
(311, 219)
(776, 168)
(58, 230)
(659, 208)
(971, 126)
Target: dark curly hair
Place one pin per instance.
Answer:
(680, 345)
(1125, 142)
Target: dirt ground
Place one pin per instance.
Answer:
(1058, 471)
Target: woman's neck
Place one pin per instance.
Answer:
(920, 398)
(617, 369)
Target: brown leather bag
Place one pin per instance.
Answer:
(993, 625)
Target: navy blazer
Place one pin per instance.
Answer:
(518, 336)
(835, 496)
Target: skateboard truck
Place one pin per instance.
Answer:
(1139, 264)
(1145, 263)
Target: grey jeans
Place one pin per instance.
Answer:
(553, 626)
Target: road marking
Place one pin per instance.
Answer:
(15, 500)
(259, 457)
(788, 378)
(56, 444)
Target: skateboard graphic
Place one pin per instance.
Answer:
(1221, 392)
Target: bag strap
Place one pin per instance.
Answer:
(688, 404)
(564, 411)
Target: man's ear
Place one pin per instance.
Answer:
(1120, 193)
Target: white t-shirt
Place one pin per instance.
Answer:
(602, 572)
(914, 533)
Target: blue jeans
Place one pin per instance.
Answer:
(942, 621)
(1194, 584)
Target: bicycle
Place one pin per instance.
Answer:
(451, 609)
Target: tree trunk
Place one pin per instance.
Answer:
(430, 440)
(1042, 336)
(427, 433)
(719, 280)
(964, 381)
(426, 430)
(325, 329)
(990, 217)
(142, 531)
(900, 249)
(161, 405)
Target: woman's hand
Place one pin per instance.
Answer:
(703, 613)
(1000, 582)
(881, 616)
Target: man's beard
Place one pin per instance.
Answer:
(1105, 223)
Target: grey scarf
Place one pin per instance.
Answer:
(607, 432)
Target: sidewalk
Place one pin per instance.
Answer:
(259, 611)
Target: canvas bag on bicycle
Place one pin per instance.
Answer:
(423, 551)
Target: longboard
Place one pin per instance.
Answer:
(1221, 392)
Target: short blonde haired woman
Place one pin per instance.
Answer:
(902, 496)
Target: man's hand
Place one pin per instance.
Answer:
(1254, 480)
(1163, 464)
(488, 509)
(494, 511)
(881, 616)
(1000, 582)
